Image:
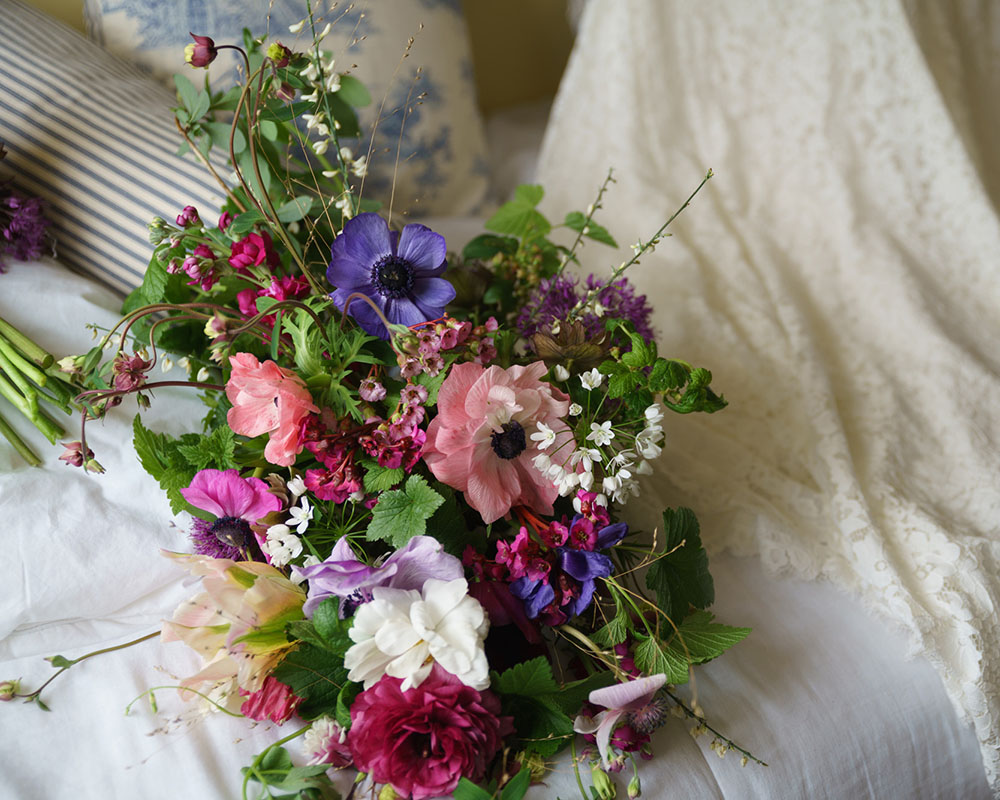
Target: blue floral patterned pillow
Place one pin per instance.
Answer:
(429, 140)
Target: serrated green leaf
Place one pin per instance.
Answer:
(381, 479)
(619, 385)
(519, 220)
(698, 639)
(641, 355)
(615, 631)
(528, 679)
(487, 245)
(403, 513)
(652, 658)
(353, 92)
(578, 222)
(530, 194)
(315, 674)
(154, 282)
(570, 697)
(243, 223)
(667, 374)
(295, 209)
(681, 578)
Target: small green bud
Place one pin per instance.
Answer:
(634, 789)
(387, 793)
(157, 230)
(8, 690)
(605, 787)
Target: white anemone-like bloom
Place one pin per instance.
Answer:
(402, 632)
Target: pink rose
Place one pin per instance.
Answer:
(268, 399)
(480, 441)
(424, 740)
(253, 250)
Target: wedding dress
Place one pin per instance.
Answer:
(838, 275)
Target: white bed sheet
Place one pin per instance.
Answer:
(819, 690)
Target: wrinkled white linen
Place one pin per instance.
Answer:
(839, 278)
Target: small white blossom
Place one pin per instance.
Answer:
(601, 434)
(586, 480)
(636, 248)
(320, 146)
(356, 497)
(360, 166)
(297, 27)
(333, 82)
(653, 414)
(296, 486)
(575, 410)
(202, 375)
(561, 373)
(568, 482)
(185, 363)
(301, 516)
(541, 462)
(611, 484)
(282, 545)
(591, 380)
(323, 33)
(545, 436)
(311, 98)
(311, 72)
(643, 468)
(166, 364)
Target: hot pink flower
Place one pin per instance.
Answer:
(424, 740)
(253, 250)
(480, 441)
(268, 399)
(274, 700)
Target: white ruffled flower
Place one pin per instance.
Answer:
(591, 380)
(296, 486)
(545, 436)
(402, 632)
(601, 434)
(301, 516)
(281, 545)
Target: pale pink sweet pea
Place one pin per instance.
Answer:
(618, 700)
(480, 441)
(268, 399)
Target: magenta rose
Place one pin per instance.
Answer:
(253, 250)
(424, 740)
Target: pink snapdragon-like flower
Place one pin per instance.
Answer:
(274, 700)
(425, 740)
(480, 440)
(268, 399)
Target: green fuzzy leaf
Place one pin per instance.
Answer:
(345, 699)
(220, 133)
(652, 657)
(381, 479)
(244, 223)
(519, 220)
(529, 194)
(403, 513)
(268, 129)
(186, 92)
(621, 384)
(200, 106)
(487, 245)
(353, 92)
(681, 578)
(528, 679)
(667, 374)
(541, 725)
(642, 354)
(698, 639)
(216, 450)
(295, 209)
(578, 222)
(315, 674)
(616, 631)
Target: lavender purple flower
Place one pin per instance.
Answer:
(22, 228)
(555, 297)
(399, 272)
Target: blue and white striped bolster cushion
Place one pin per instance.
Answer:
(96, 139)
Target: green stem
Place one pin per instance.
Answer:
(718, 735)
(18, 443)
(22, 384)
(576, 769)
(35, 352)
(252, 769)
(19, 363)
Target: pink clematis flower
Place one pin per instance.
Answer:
(480, 441)
(619, 700)
(268, 399)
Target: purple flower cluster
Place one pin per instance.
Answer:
(556, 297)
(22, 228)
(421, 349)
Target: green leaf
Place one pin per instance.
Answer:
(268, 129)
(517, 787)
(667, 374)
(447, 525)
(487, 245)
(345, 699)
(295, 209)
(519, 220)
(529, 194)
(200, 106)
(381, 479)
(529, 679)
(353, 92)
(215, 450)
(698, 639)
(617, 630)
(467, 790)
(220, 133)
(403, 513)
(186, 92)
(154, 282)
(60, 662)
(570, 697)
(641, 355)
(653, 657)
(681, 578)
(619, 385)
(578, 222)
(315, 674)
(243, 223)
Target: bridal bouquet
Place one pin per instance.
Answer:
(406, 494)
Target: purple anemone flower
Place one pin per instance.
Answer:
(344, 575)
(398, 271)
(237, 503)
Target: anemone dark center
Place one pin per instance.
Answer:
(510, 441)
(233, 531)
(392, 276)
(421, 744)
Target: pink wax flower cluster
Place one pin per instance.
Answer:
(420, 350)
(267, 398)
(479, 443)
(424, 740)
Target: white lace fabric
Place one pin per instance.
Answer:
(840, 278)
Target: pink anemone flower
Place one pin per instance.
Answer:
(268, 399)
(618, 700)
(480, 441)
